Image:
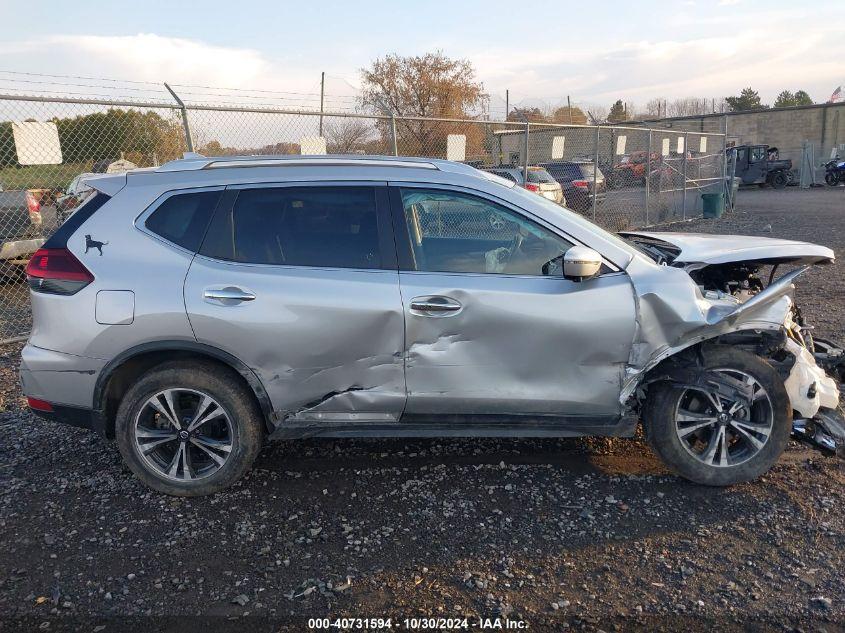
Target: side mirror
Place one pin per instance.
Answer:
(580, 263)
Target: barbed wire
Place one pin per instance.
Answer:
(32, 74)
(496, 106)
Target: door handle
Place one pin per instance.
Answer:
(437, 305)
(228, 296)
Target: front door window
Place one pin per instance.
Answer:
(454, 232)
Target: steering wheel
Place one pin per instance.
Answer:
(515, 246)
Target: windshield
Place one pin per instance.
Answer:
(588, 170)
(540, 175)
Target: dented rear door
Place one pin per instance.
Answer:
(299, 281)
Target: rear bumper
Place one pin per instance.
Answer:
(72, 416)
(60, 379)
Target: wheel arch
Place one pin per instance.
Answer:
(126, 367)
(675, 365)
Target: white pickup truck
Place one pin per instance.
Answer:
(20, 225)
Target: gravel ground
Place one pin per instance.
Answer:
(558, 534)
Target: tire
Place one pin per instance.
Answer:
(666, 402)
(831, 178)
(232, 432)
(778, 180)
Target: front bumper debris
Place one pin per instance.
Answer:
(826, 431)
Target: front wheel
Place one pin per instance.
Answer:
(729, 426)
(831, 178)
(189, 428)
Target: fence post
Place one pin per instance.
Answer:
(647, 176)
(525, 155)
(393, 134)
(322, 97)
(596, 170)
(684, 199)
(189, 142)
(729, 186)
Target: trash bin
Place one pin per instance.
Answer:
(713, 204)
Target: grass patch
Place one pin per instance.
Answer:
(41, 176)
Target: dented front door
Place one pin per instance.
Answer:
(504, 345)
(296, 282)
(491, 330)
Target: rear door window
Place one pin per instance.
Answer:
(334, 227)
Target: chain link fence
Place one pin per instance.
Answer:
(619, 177)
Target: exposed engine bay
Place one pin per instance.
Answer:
(812, 367)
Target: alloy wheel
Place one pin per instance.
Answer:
(726, 421)
(183, 434)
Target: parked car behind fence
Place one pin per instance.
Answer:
(20, 226)
(581, 183)
(539, 181)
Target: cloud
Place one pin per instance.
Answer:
(147, 57)
(708, 57)
(151, 57)
(694, 51)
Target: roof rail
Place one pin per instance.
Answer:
(195, 162)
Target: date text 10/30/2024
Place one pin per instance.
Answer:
(430, 624)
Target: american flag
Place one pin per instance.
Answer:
(836, 97)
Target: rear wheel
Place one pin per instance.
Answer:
(831, 178)
(779, 180)
(730, 426)
(188, 428)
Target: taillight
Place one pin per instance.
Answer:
(34, 207)
(39, 405)
(57, 271)
(532, 187)
(581, 184)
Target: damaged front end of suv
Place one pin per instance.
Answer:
(685, 331)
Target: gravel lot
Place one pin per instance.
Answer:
(561, 534)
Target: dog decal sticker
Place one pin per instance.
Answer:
(91, 243)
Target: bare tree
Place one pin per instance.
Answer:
(346, 135)
(654, 108)
(597, 113)
(431, 85)
(687, 106)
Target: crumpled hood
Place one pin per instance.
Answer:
(704, 248)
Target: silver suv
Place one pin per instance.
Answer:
(193, 310)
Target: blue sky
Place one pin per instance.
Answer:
(595, 52)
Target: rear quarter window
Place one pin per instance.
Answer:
(85, 210)
(182, 218)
